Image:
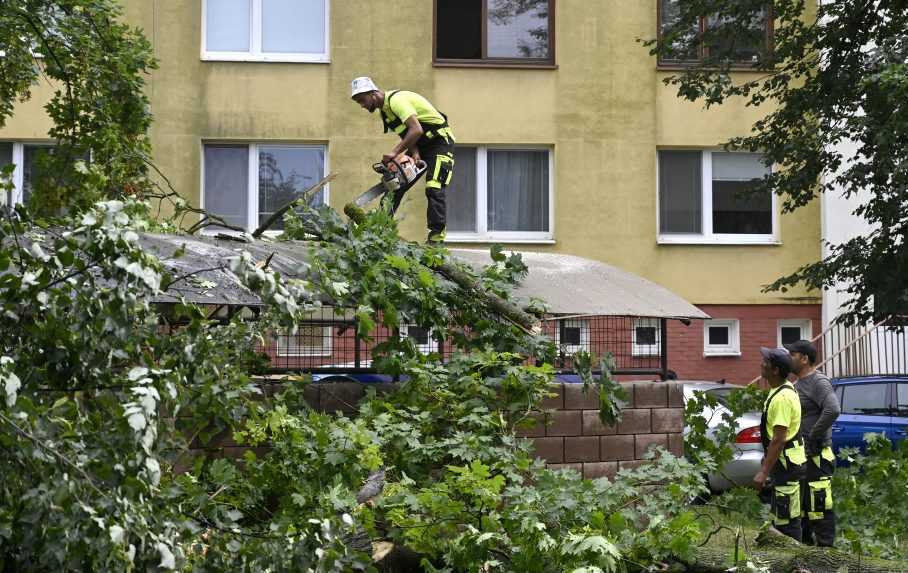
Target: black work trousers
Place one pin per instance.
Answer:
(785, 498)
(818, 523)
(438, 153)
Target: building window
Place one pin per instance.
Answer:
(495, 32)
(308, 341)
(245, 184)
(721, 338)
(707, 197)
(28, 159)
(647, 337)
(573, 335)
(793, 330)
(500, 194)
(729, 45)
(265, 30)
(421, 336)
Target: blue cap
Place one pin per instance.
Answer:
(778, 357)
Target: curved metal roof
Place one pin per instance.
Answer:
(578, 286)
(568, 284)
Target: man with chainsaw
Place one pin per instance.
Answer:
(424, 134)
(783, 468)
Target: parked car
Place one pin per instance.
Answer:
(748, 448)
(870, 404)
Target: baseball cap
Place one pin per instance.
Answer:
(804, 347)
(362, 85)
(778, 357)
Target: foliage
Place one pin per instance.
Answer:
(836, 78)
(109, 401)
(96, 66)
(873, 479)
(712, 425)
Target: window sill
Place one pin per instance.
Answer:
(719, 354)
(249, 58)
(303, 355)
(493, 64)
(500, 240)
(682, 67)
(695, 240)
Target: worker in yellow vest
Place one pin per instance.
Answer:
(784, 459)
(424, 134)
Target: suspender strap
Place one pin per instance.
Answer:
(430, 130)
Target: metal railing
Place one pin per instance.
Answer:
(864, 350)
(328, 342)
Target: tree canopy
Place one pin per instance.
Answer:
(834, 78)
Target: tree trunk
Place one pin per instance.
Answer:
(784, 555)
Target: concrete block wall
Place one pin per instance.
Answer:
(570, 434)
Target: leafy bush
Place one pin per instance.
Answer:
(875, 479)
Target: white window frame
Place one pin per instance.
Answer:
(583, 325)
(733, 348)
(706, 236)
(429, 347)
(482, 234)
(806, 326)
(255, 53)
(18, 159)
(646, 349)
(296, 350)
(252, 185)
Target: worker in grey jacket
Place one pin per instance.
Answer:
(819, 410)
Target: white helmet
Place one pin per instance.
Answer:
(362, 85)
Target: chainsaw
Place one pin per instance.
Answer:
(396, 179)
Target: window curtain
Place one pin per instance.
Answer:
(460, 195)
(293, 26)
(226, 181)
(227, 25)
(680, 192)
(518, 190)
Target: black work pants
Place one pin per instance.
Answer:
(438, 153)
(785, 499)
(816, 500)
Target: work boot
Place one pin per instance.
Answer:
(436, 236)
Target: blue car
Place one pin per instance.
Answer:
(870, 404)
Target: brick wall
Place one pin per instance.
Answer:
(758, 327)
(570, 435)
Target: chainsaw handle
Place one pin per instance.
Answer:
(381, 167)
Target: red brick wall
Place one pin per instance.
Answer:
(573, 437)
(758, 327)
(568, 435)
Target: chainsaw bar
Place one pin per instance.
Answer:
(379, 190)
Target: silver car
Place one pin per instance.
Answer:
(748, 448)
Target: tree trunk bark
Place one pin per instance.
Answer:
(784, 555)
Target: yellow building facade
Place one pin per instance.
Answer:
(560, 101)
